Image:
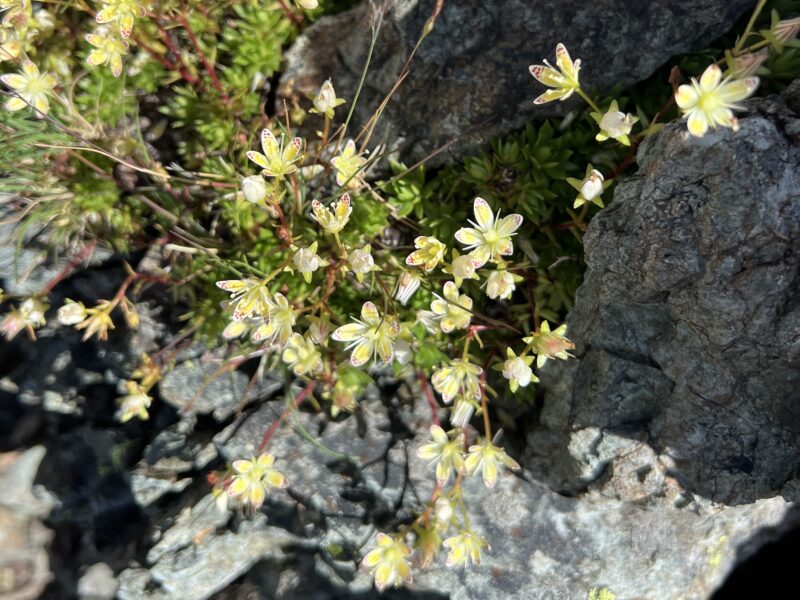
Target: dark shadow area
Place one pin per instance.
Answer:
(770, 573)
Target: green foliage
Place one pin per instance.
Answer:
(526, 173)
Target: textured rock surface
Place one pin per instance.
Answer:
(474, 66)
(24, 565)
(687, 324)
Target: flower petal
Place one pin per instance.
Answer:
(735, 91)
(258, 158)
(509, 224)
(348, 333)
(362, 352)
(710, 78)
(698, 125)
(269, 144)
(686, 97)
(14, 81)
(242, 466)
(483, 213)
(469, 236)
(370, 314)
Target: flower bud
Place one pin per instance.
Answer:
(306, 260)
(787, 30)
(407, 284)
(747, 64)
(462, 413)
(592, 186)
(254, 189)
(361, 260)
(616, 123)
(71, 313)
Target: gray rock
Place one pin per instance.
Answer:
(687, 325)
(24, 562)
(204, 386)
(549, 547)
(147, 489)
(197, 556)
(98, 583)
(473, 67)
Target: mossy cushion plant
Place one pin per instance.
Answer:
(153, 129)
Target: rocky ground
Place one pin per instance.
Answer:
(657, 462)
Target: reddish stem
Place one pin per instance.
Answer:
(297, 401)
(297, 20)
(136, 277)
(182, 68)
(184, 22)
(85, 252)
(426, 389)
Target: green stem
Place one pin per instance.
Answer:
(588, 99)
(756, 11)
(372, 43)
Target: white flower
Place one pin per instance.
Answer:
(332, 220)
(462, 267)
(453, 311)
(254, 478)
(325, 101)
(371, 335)
(32, 87)
(517, 369)
(361, 261)
(464, 548)
(319, 329)
(402, 352)
(281, 319)
(34, 310)
(459, 377)
(615, 124)
(443, 510)
(254, 189)
(592, 186)
(550, 344)
(500, 284)
(301, 355)
(134, 404)
(564, 79)
(489, 236)
(712, 100)
(444, 452)
(71, 313)
(485, 458)
(389, 562)
(307, 261)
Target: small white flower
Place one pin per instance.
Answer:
(71, 313)
(500, 285)
(517, 369)
(592, 186)
(361, 261)
(307, 261)
(254, 189)
(325, 101)
(712, 100)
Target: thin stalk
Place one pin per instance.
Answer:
(747, 30)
